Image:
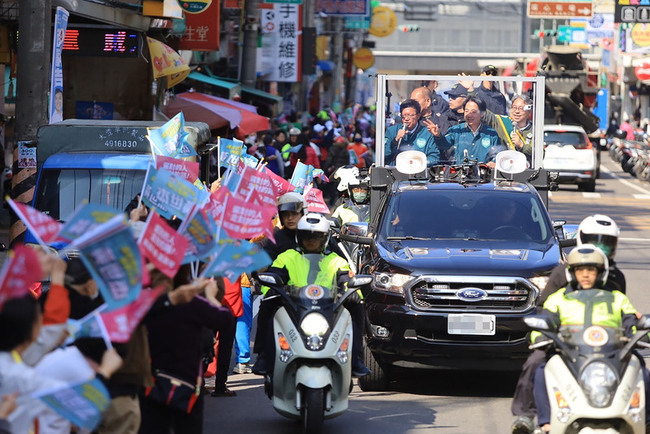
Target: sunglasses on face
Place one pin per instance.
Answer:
(491, 72)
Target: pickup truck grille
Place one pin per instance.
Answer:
(484, 294)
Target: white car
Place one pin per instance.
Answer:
(568, 150)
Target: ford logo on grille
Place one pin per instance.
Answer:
(471, 294)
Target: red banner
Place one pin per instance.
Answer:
(241, 219)
(21, 268)
(162, 245)
(280, 184)
(187, 170)
(202, 30)
(42, 226)
(252, 180)
(315, 202)
(121, 322)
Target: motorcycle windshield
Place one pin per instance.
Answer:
(319, 285)
(592, 338)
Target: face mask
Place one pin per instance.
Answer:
(360, 196)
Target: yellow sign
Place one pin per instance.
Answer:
(363, 58)
(383, 21)
(641, 34)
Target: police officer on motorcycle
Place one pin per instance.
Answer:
(356, 208)
(587, 269)
(312, 236)
(603, 232)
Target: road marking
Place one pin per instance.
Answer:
(641, 240)
(591, 195)
(628, 183)
(641, 196)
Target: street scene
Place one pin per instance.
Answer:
(324, 216)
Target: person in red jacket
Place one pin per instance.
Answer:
(305, 154)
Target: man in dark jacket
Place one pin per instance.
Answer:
(488, 92)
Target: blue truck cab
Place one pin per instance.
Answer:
(102, 162)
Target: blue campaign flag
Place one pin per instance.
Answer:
(201, 231)
(301, 176)
(86, 219)
(318, 173)
(81, 404)
(235, 258)
(171, 195)
(230, 151)
(294, 149)
(170, 140)
(111, 255)
(249, 160)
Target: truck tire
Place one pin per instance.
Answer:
(377, 380)
(313, 410)
(589, 186)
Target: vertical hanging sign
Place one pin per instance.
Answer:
(281, 33)
(56, 79)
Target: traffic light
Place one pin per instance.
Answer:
(410, 28)
(539, 33)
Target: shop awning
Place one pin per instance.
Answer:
(230, 87)
(261, 94)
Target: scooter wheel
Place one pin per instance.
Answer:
(313, 410)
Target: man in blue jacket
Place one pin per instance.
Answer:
(480, 141)
(410, 135)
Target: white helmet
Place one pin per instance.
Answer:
(346, 175)
(313, 226)
(601, 231)
(292, 202)
(362, 182)
(587, 254)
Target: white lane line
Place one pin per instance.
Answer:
(641, 196)
(628, 183)
(641, 240)
(591, 195)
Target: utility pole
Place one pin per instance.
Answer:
(337, 58)
(249, 55)
(309, 44)
(34, 63)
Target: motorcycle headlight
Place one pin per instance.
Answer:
(389, 282)
(314, 324)
(599, 383)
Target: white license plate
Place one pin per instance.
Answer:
(471, 324)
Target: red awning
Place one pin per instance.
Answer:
(239, 117)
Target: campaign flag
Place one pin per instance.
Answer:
(21, 268)
(301, 176)
(200, 232)
(82, 404)
(333, 116)
(318, 173)
(241, 219)
(280, 185)
(86, 327)
(231, 181)
(162, 245)
(187, 170)
(171, 195)
(236, 258)
(294, 149)
(42, 226)
(170, 140)
(315, 202)
(86, 219)
(216, 205)
(253, 180)
(111, 254)
(230, 152)
(249, 160)
(121, 322)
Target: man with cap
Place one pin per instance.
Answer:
(440, 125)
(490, 94)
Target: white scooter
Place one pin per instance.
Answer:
(594, 382)
(312, 331)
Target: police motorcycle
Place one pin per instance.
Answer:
(594, 382)
(311, 378)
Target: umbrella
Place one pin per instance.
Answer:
(167, 62)
(242, 118)
(194, 112)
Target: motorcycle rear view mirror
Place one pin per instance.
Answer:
(359, 280)
(538, 323)
(270, 278)
(643, 323)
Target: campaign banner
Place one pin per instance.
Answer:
(171, 195)
(301, 176)
(82, 404)
(44, 228)
(121, 322)
(244, 220)
(318, 173)
(112, 256)
(200, 233)
(85, 219)
(235, 258)
(280, 185)
(86, 327)
(21, 268)
(249, 160)
(56, 77)
(170, 140)
(230, 152)
(315, 202)
(253, 180)
(187, 170)
(162, 245)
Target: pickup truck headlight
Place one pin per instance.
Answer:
(540, 281)
(392, 283)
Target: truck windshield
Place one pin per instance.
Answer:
(61, 191)
(465, 215)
